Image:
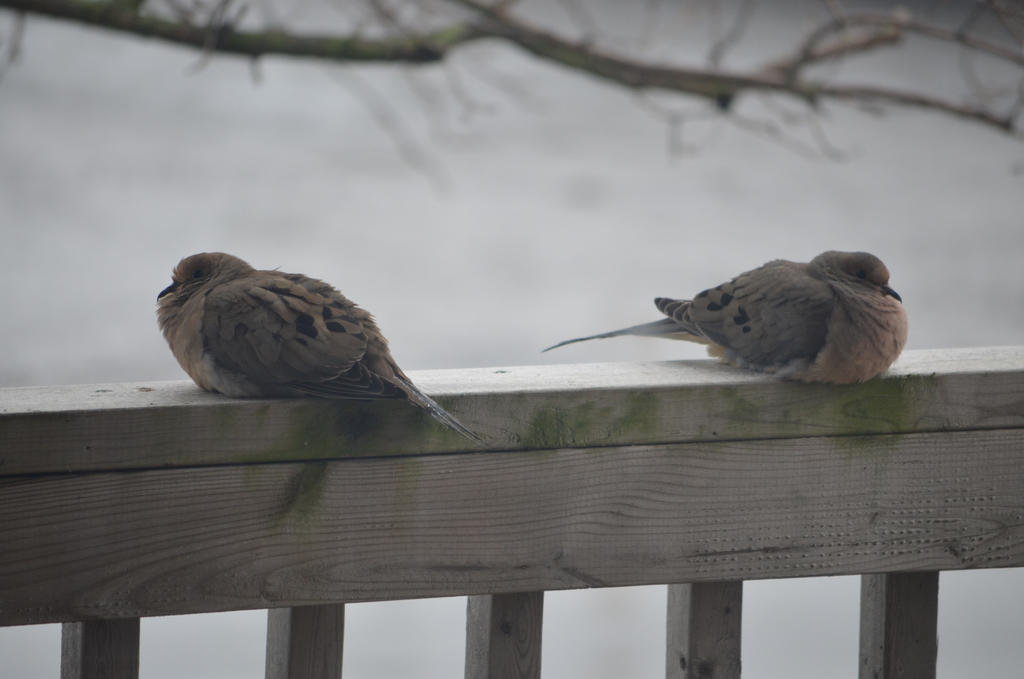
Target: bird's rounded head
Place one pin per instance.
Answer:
(195, 271)
(858, 268)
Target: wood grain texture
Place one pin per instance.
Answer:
(704, 629)
(899, 625)
(100, 649)
(503, 635)
(165, 541)
(305, 642)
(173, 424)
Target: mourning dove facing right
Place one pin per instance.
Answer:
(834, 319)
(243, 332)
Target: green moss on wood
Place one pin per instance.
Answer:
(889, 404)
(879, 406)
(313, 432)
(587, 423)
(641, 417)
(304, 493)
(555, 426)
(326, 429)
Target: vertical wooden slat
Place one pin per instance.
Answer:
(100, 649)
(503, 636)
(898, 625)
(305, 642)
(703, 630)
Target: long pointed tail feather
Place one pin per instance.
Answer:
(664, 327)
(438, 413)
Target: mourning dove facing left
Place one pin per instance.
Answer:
(834, 319)
(243, 332)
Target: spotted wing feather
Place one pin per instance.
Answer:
(767, 317)
(291, 333)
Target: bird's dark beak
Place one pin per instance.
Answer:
(886, 290)
(170, 288)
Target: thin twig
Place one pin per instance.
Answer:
(14, 41)
(471, 106)
(771, 130)
(255, 71)
(868, 94)
(733, 35)
(833, 8)
(521, 95)
(677, 120)
(652, 15)
(828, 149)
(902, 22)
(582, 17)
(787, 68)
(1018, 104)
(971, 19)
(183, 13)
(1010, 15)
(216, 25)
(981, 91)
(383, 114)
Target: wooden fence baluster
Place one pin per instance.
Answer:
(305, 642)
(100, 649)
(503, 636)
(703, 631)
(898, 617)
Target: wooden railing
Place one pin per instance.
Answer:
(129, 500)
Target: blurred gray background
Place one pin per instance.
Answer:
(484, 208)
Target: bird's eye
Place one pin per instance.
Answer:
(861, 273)
(198, 273)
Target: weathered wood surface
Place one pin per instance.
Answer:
(173, 424)
(119, 502)
(899, 625)
(100, 649)
(154, 542)
(503, 635)
(704, 628)
(305, 642)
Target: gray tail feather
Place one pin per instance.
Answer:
(440, 414)
(666, 327)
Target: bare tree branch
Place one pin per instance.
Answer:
(870, 94)
(901, 22)
(841, 35)
(722, 87)
(223, 37)
(717, 86)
